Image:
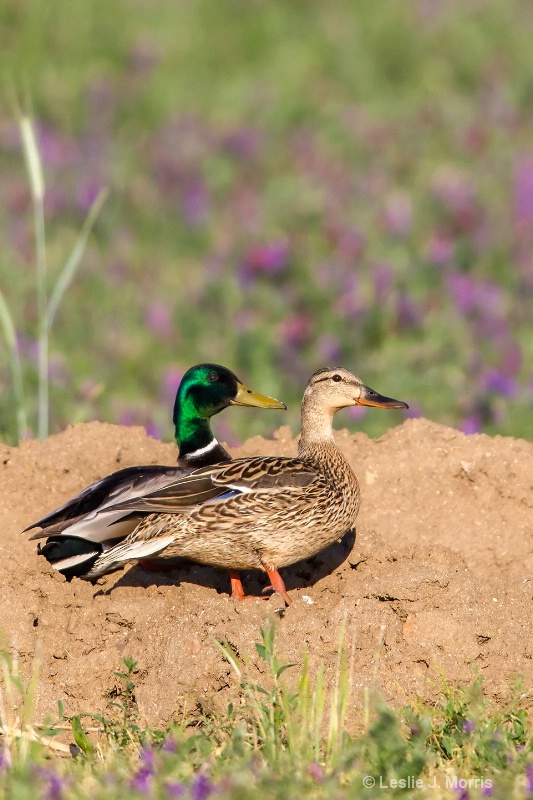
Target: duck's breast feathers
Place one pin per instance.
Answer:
(109, 492)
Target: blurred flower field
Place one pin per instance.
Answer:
(291, 185)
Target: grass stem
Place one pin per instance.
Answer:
(36, 179)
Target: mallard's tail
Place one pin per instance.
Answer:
(72, 556)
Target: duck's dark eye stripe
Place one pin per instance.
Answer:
(335, 378)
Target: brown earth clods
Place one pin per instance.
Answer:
(438, 582)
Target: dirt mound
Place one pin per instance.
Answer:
(438, 579)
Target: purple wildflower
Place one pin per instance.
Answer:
(329, 348)
(487, 790)
(201, 787)
(169, 746)
(349, 302)
(316, 772)
(457, 196)
(270, 258)
(397, 214)
(54, 200)
(468, 726)
(471, 424)
(227, 434)
(142, 780)
(174, 789)
(462, 793)
(87, 194)
(511, 357)
(171, 381)
(471, 295)
(523, 192)
(28, 348)
(463, 291)
(414, 411)
(5, 759)
(383, 277)
(440, 249)
(54, 784)
(147, 757)
(490, 297)
(57, 149)
(132, 416)
(356, 412)
(153, 430)
(350, 244)
(195, 201)
(297, 329)
(409, 313)
(501, 383)
(529, 780)
(243, 143)
(159, 319)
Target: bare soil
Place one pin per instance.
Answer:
(437, 580)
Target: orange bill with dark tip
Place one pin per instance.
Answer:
(371, 398)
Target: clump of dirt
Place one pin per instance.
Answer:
(437, 580)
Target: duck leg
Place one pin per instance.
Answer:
(237, 590)
(276, 583)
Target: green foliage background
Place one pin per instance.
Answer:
(282, 176)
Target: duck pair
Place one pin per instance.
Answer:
(259, 513)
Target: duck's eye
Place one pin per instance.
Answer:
(336, 378)
(212, 377)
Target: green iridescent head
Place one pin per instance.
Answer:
(204, 391)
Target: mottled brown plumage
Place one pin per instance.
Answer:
(263, 512)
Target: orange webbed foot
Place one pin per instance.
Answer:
(276, 584)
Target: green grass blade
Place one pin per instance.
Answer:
(6, 322)
(229, 656)
(32, 157)
(36, 179)
(74, 259)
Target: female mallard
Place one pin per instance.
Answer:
(256, 513)
(88, 524)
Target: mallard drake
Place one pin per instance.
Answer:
(88, 524)
(255, 513)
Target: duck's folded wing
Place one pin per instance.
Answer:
(113, 490)
(249, 474)
(99, 526)
(217, 483)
